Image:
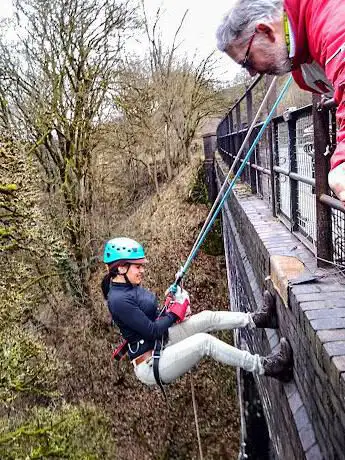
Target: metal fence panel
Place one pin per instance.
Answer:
(338, 224)
(306, 212)
(287, 184)
(283, 160)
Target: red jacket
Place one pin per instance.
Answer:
(318, 27)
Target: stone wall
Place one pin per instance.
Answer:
(305, 418)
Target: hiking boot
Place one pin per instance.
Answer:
(279, 364)
(267, 316)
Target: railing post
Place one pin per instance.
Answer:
(227, 138)
(238, 128)
(275, 145)
(232, 146)
(252, 172)
(249, 98)
(273, 175)
(293, 168)
(210, 143)
(324, 246)
(270, 133)
(238, 117)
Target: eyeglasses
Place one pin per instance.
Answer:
(245, 64)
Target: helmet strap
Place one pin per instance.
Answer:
(114, 271)
(127, 280)
(125, 275)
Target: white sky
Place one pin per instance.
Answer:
(198, 32)
(199, 28)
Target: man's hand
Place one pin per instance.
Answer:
(336, 180)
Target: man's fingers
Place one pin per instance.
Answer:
(341, 196)
(336, 180)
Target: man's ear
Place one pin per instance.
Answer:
(267, 30)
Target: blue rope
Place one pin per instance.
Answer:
(232, 184)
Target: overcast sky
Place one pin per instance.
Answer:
(198, 32)
(199, 27)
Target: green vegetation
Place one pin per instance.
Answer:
(27, 366)
(65, 432)
(213, 244)
(198, 188)
(35, 422)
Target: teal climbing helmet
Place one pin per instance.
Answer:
(124, 250)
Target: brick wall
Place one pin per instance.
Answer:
(305, 418)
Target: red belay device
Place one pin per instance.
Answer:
(121, 351)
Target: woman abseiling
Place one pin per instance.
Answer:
(135, 311)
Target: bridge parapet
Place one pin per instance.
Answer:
(305, 418)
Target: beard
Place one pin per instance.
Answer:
(279, 61)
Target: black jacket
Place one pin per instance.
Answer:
(135, 311)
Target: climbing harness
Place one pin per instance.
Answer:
(156, 356)
(159, 345)
(121, 351)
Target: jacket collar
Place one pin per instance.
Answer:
(289, 36)
(297, 12)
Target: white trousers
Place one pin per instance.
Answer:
(189, 343)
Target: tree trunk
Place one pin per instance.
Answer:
(167, 153)
(155, 175)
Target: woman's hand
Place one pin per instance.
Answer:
(180, 304)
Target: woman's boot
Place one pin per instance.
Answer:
(267, 316)
(279, 364)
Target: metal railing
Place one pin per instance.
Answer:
(289, 170)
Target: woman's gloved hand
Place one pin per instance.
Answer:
(180, 304)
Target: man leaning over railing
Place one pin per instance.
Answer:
(306, 37)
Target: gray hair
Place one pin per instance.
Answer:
(241, 20)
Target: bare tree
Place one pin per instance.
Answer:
(162, 62)
(163, 103)
(186, 89)
(55, 82)
(196, 99)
